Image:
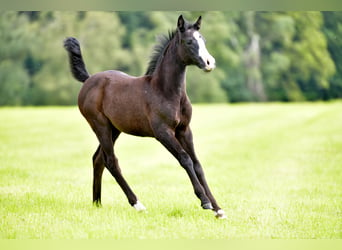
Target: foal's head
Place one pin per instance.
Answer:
(192, 48)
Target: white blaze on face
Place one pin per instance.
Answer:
(203, 52)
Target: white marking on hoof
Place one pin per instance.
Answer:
(139, 206)
(220, 214)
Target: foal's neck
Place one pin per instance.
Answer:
(170, 73)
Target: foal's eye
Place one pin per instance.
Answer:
(189, 42)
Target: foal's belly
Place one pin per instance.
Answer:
(131, 123)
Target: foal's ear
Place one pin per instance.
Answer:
(197, 25)
(181, 23)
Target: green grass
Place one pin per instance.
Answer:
(274, 168)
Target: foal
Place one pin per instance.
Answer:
(154, 105)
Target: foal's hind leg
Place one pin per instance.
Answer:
(98, 165)
(185, 138)
(107, 136)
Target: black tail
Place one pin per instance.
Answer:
(77, 65)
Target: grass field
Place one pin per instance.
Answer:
(274, 168)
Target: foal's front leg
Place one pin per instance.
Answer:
(166, 136)
(185, 138)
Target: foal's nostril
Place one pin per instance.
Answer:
(208, 63)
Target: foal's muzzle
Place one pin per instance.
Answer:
(209, 63)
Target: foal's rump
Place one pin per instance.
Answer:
(121, 98)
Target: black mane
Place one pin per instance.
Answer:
(158, 51)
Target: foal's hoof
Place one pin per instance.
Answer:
(220, 214)
(207, 206)
(139, 206)
(97, 204)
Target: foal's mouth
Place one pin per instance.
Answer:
(208, 69)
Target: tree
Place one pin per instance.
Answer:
(100, 35)
(311, 62)
(252, 59)
(226, 44)
(296, 63)
(332, 29)
(14, 50)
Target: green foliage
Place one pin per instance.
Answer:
(14, 49)
(296, 63)
(202, 87)
(261, 56)
(333, 31)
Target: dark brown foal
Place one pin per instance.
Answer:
(154, 105)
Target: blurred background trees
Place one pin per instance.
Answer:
(261, 56)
